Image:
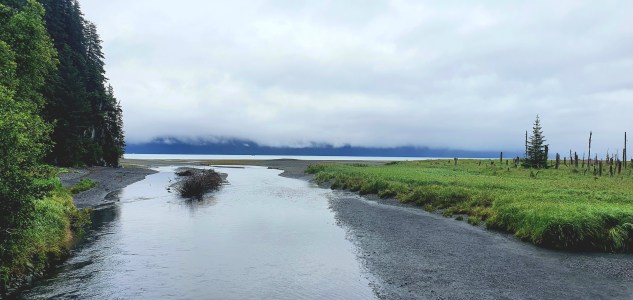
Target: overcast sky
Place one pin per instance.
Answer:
(459, 74)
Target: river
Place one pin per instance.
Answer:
(262, 236)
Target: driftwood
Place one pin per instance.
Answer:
(185, 173)
(198, 183)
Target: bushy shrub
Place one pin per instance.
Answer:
(184, 173)
(198, 184)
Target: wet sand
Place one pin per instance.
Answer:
(109, 180)
(420, 255)
(414, 254)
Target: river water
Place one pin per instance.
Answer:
(261, 236)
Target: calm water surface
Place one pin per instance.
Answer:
(261, 237)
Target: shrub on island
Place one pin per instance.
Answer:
(199, 183)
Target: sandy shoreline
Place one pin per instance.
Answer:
(108, 180)
(414, 254)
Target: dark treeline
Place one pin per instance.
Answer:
(86, 117)
(55, 108)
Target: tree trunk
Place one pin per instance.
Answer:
(624, 151)
(589, 156)
(600, 168)
(619, 166)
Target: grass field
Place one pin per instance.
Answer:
(566, 208)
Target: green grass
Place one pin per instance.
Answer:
(49, 234)
(83, 185)
(565, 209)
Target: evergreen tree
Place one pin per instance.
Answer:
(27, 57)
(536, 153)
(113, 137)
(78, 103)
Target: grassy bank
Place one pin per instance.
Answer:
(564, 209)
(47, 237)
(83, 185)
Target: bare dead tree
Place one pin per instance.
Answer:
(619, 166)
(589, 157)
(600, 168)
(624, 151)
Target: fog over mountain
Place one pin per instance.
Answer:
(244, 147)
(468, 75)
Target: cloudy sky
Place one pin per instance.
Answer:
(459, 74)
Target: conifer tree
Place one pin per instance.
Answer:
(536, 154)
(113, 137)
(78, 103)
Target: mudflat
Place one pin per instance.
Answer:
(420, 255)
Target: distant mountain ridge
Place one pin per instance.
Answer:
(245, 147)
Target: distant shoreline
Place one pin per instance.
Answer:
(220, 157)
(111, 180)
(292, 168)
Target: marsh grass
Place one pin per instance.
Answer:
(47, 237)
(561, 209)
(83, 185)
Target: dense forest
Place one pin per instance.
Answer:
(77, 101)
(80, 104)
(56, 108)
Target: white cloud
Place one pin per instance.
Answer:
(459, 74)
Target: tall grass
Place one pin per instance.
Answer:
(83, 185)
(563, 209)
(47, 237)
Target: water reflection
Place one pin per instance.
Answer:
(199, 204)
(262, 236)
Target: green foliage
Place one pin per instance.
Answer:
(474, 220)
(47, 237)
(83, 185)
(26, 56)
(559, 208)
(37, 215)
(536, 148)
(87, 118)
